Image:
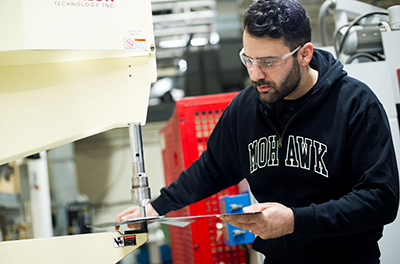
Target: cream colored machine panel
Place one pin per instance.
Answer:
(99, 248)
(71, 69)
(46, 105)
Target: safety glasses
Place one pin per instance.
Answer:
(267, 64)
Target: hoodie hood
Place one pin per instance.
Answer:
(330, 71)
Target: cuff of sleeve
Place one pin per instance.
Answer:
(159, 205)
(304, 220)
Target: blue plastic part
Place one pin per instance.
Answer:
(232, 204)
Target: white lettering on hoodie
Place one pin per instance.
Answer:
(299, 152)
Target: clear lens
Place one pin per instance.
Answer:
(247, 62)
(271, 64)
(266, 64)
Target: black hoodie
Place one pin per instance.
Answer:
(333, 163)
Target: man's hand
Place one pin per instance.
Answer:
(275, 220)
(134, 212)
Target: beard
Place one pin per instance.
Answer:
(290, 83)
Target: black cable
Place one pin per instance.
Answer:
(360, 55)
(336, 40)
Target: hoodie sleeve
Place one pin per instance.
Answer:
(374, 198)
(215, 170)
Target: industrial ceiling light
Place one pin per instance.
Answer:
(214, 38)
(176, 43)
(197, 42)
(182, 65)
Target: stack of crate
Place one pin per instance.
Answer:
(184, 138)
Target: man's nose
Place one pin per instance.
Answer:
(256, 73)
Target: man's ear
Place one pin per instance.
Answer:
(305, 54)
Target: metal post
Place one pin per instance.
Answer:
(140, 191)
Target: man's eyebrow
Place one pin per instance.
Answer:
(268, 57)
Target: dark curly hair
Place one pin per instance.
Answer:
(285, 19)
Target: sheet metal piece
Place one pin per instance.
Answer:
(181, 221)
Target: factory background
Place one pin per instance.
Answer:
(197, 43)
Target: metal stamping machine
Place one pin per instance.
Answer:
(69, 70)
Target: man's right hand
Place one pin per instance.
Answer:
(134, 212)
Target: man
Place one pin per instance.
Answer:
(313, 143)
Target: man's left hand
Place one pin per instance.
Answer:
(275, 220)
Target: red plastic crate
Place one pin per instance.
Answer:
(398, 76)
(184, 139)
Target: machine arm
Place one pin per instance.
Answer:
(140, 191)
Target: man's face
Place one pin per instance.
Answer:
(276, 84)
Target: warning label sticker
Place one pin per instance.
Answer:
(134, 43)
(124, 241)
